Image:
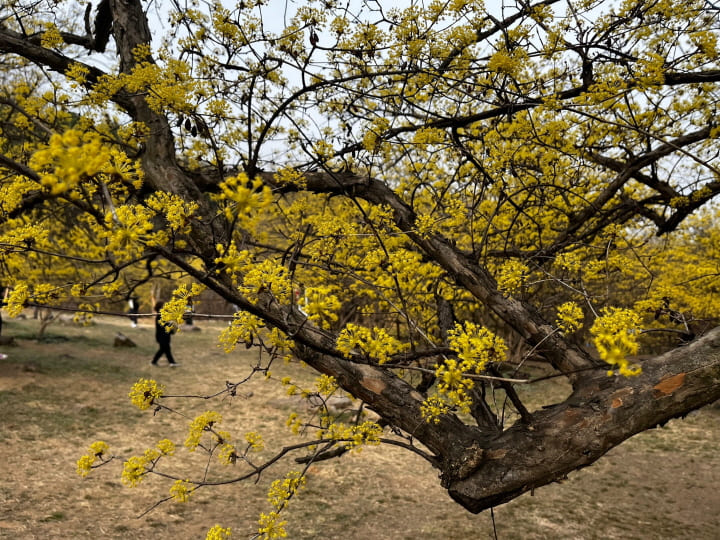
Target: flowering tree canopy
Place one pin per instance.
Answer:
(415, 201)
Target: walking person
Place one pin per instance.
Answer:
(162, 336)
(3, 296)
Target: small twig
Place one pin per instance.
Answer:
(153, 507)
(469, 375)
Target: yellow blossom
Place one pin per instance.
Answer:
(228, 454)
(181, 490)
(51, 38)
(99, 448)
(281, 491)
(432, 408)
(200, 424)
(511, 276)
(254, 440)
(134, 471)
(145, 393)
(271, 526)
(84, 465)
(375, 342)
(16, 300)
(569, 317)
(218, 533)
(615, 335)
(166, 447)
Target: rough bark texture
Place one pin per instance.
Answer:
(600, 414)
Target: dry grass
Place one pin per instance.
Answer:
(59, 395)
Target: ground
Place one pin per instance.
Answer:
(62, 393)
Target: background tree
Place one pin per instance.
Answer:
(392, 195)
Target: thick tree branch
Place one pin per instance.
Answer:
(16, 43)
(19, 168)
(162, 172)
(601, 413)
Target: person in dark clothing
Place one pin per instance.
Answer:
(4, 293)
(2, 304)
(134, 304)
(162, 336)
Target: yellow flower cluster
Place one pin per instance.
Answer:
(177, 211)
(267, 276)
(279, 495)
(21, 233)
(429, 136)
(453, 384)
(77, 74)
(374, 342)
(198, 426)
(84, 314)
(127, 228)
(255, 441)
(173, 311)
(232, 261)
(326, 384)
(281, 491)
(168, 87)
(289, 176)
(243, 195)
(475, 347)
(45, 293)
(321, 305)
(228, 454)
(97, 450)
(135, 468)
(511, 276)
(615, 335)
(367, 433)
(181, 490)
(17, 298)
(432, 408)
(244, 328)
(507, 63)
(145, 393)
(74, 155)
(51, 38)
(355, 437)
(294, 423)
(85, 464)
(425, 223)
(569, 317)
(218, 533)
(166, 447)
(271, 526)
(373, 136)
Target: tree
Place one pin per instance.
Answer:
(394, 196)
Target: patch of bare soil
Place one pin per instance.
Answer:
(661, 484)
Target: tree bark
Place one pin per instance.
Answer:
(600, 414)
